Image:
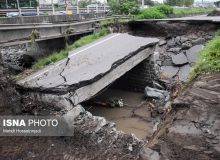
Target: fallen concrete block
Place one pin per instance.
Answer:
(179, 59)
(155, 93)
(193, 52)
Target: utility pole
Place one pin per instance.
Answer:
(52, 7)
(18, 4)
(6, 1)
(142, 3)
(19, 9)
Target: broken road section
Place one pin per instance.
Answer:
(91, 68)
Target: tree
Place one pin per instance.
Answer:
(23, 3)
(123, 6)
(186, 3)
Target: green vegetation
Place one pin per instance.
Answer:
(156, 12)
(124, 7)
(22, 3)
(209, 58)
(186, 3)
(182, 11)
(56, 56)
(163, 11)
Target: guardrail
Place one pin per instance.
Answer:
(55, 11)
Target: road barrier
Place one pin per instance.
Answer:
(56, 11)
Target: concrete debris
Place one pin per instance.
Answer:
(116, 103)
(186, 45)
(184, 72)
(179, 59)
(149, 154)
(167, 62)
(16, 59)
(155, 93)
(130, 148)
(174, 50)
(192, 53)
(162, 42)
(198, 41)
(171, 43)
(157, 85)
(184, 39)
(169, 71)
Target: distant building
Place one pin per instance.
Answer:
(217, 4)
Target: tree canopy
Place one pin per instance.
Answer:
(186, 3)
(13, 3)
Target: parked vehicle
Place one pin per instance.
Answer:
(15, 14)
(12, 14)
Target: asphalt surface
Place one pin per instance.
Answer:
(88, 61)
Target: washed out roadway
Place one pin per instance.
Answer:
(87, 62)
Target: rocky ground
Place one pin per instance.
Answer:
(174, 56)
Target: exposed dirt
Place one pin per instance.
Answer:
(214, 13)
(191, 130)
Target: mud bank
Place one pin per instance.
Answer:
(191, 129)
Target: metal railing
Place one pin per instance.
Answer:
(55, 11)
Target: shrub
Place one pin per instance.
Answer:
(150, 13)
(165, 9)
(128, 8)
(123, 7)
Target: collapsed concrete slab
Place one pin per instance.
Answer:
(179, 59)
(193, 52)
(89, 69)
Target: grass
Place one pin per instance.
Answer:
(56, 56)
(209, 58)
(183, 11)
(156, 12)
(163, 11)
(150, 13)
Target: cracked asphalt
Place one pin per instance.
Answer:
(88, 62)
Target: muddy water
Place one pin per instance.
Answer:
(134, 117)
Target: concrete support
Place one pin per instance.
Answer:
(77, 10)
(38, 11)
(139, 77)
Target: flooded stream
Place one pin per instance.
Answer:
(134, 117)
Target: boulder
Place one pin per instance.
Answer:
(179, 59)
